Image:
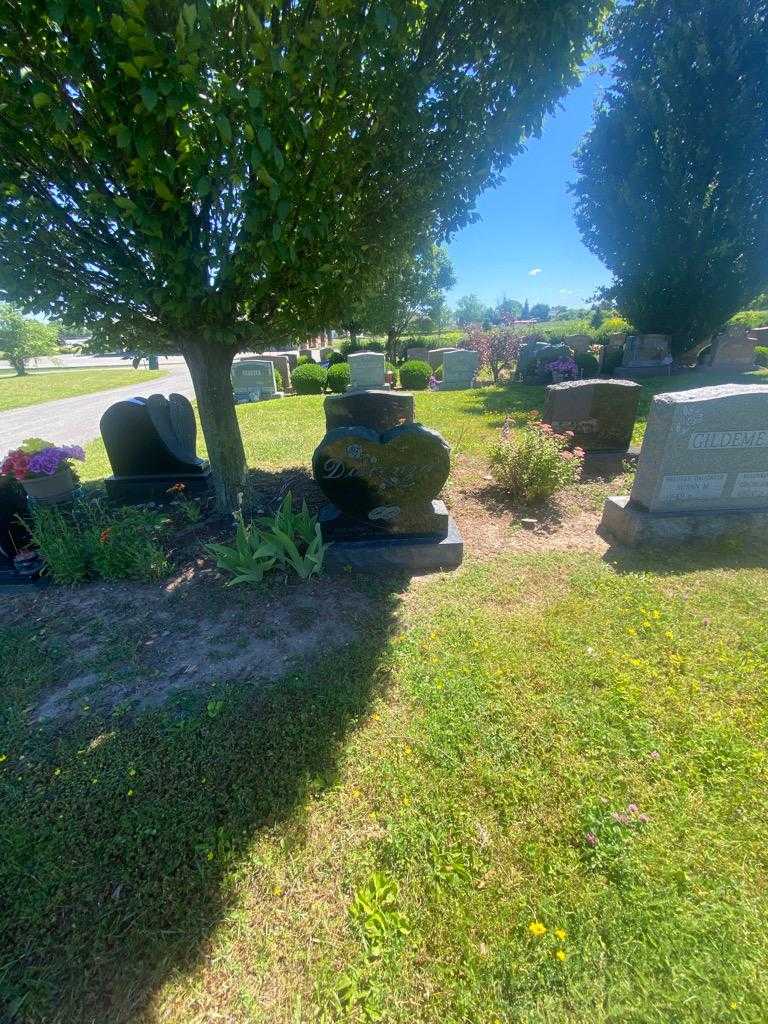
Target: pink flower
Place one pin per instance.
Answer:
(619, 818)
(644, 818)
(590, 839)
(633, 808)
(655, 755)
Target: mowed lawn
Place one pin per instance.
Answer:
(285, 432)
(47, 386)
(529, 792)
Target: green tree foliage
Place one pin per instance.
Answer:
(412, 290)
(470, 310)
(540, 311)
(212, 175)
(22, 339)
(673, 193)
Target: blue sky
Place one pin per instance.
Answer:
(527, 223)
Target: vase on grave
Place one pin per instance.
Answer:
(54, 489)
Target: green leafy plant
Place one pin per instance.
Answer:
(587, 363)
(375, 911)
(336, 358)
(338, 377)
(415, 375)
(93, 540)
(533, 464)
(761, 355)
(309, 379)
(290, 539)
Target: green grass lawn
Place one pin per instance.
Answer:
(556, 740)
(47, 386)
(286, 431)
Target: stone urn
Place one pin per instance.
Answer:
(55, 489)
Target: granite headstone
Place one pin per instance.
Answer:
(366, 370)
(435, 356)
(418, 352)
(733, 351)
(703, 467)
(253, 380)
(600, 413)
(378, 410)
(282, 365)
(459, 369)
(645, 355)
(150, 444)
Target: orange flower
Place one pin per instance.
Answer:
(176, 488)
(104, 535)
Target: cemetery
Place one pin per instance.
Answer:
(386, 660)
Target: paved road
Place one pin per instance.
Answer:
(90, 362)
(76, 420)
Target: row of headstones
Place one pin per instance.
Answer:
(731, 351)
(254, 379)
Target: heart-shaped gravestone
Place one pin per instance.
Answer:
(387, 479)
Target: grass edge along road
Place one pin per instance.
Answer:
(541, 798)
(51, 385)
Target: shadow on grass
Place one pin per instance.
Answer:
(122, 837)
(693, 556)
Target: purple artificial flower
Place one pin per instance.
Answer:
(47, 461)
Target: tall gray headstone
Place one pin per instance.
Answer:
(459, 369)
(253, 380)
(703, 467)
(282, 364)
(367, 370)
(418, 352)
(435, 356)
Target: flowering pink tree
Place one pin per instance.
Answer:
(498, 348)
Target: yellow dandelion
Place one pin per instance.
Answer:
(537, 929)
(561, 933)
(560, 954)
(130, 792)
(631, 632)
(277, 891)
(57, 772)
(655, 614)
(3, 757)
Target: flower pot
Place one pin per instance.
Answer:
(51, 490)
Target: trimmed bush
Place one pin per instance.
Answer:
(304, 360)
(761, 355)
(338, 377)
(415, 374)
(309, 379)
(588, 365)
(336, 357)
(279, 382)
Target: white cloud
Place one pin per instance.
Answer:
(566, 291)
(534, 272)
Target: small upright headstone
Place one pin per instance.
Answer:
(254, 380)
(150, 444)
(435, 356)
(645, 355)
(418, 352)
(378, 410)
(580, 343)
(733, 351)
(459, 369)
(282, 365)
(702, 470)
(367, 370)
(600, 413)
(326, 353)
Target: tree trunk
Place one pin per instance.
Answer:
(392, 346)
(353, 337)
(210, 366)
(19, 366)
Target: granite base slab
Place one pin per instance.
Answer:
(608, 464)
(414, 555)
(135, 490)
(625, 524)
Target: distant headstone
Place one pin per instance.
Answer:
(580, 343)
(377, 410)
(305, 353)
(382, 475)
(459, 369)
(600, 413)
(435, 356)
(366, 370)
(534, 358)
(292, 356)
(282, 365)
(150, 444)
(733, 351)
(645, 355)
(703, 468)
(254, 380)
(326, 353)
(418, 352)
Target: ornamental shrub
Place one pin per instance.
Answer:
(309, 379)
(305, 361)
(415, 374)
(336, 357)
(535, 463)
(588, 365)
(761, 355)
(338, 377)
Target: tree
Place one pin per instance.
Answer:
(498, 348)
(525, 312)
(540, 311)
(413, 288)
(673, 193)
(209, 176)
(470, 310)
(22, 339)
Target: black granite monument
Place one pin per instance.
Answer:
(150, 443)
(382, 473)
(14, 536)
